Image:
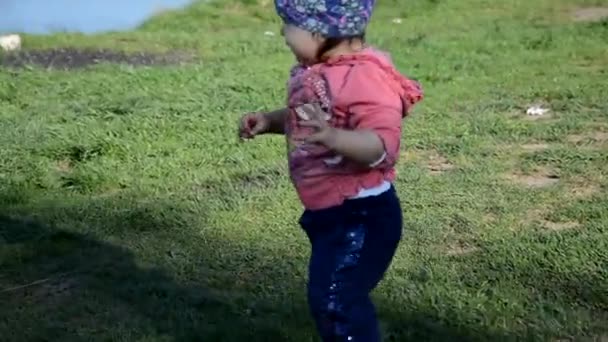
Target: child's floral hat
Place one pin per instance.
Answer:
(331, 18)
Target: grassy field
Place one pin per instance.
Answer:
(130, 212)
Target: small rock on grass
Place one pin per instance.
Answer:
(537, 110)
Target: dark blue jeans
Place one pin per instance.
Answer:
(352, 247)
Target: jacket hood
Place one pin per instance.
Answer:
(409, 90)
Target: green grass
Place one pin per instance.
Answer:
(133, 214)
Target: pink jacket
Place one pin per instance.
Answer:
(361, 91)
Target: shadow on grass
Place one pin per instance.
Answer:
(59, 284)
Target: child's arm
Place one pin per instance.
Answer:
(376, 107)
(361, 146)
(276, 121)
(375, 113)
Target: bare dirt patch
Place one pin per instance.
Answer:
(584, 186)
(535, 147)
(409, 155)
(64, 166)
(438, 164)
(585, 191)
(489, 218)
(71, 58)
(460, 249)
(597, 137)
(559, 226)
(533, 215)
(539, 216)
(539, 179)
(590, 14)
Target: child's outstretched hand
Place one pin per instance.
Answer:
(253, 124)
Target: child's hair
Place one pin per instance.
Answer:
(331, 43)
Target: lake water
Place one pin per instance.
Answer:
(85, 16)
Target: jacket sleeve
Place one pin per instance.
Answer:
(373, 104)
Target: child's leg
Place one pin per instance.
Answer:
(348, 260)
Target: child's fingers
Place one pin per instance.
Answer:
(309, 109)
(245, 135)
(246, 126)
(312, 124)
(313, 111)
(256, 128)
(315, 138)
(308, 123)
(252, 124)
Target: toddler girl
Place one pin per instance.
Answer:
(345, 106)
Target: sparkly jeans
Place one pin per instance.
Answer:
(352, 247)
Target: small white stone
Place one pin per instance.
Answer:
(11, 42)
(537, 111)
(269, 34)
(397, 21)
